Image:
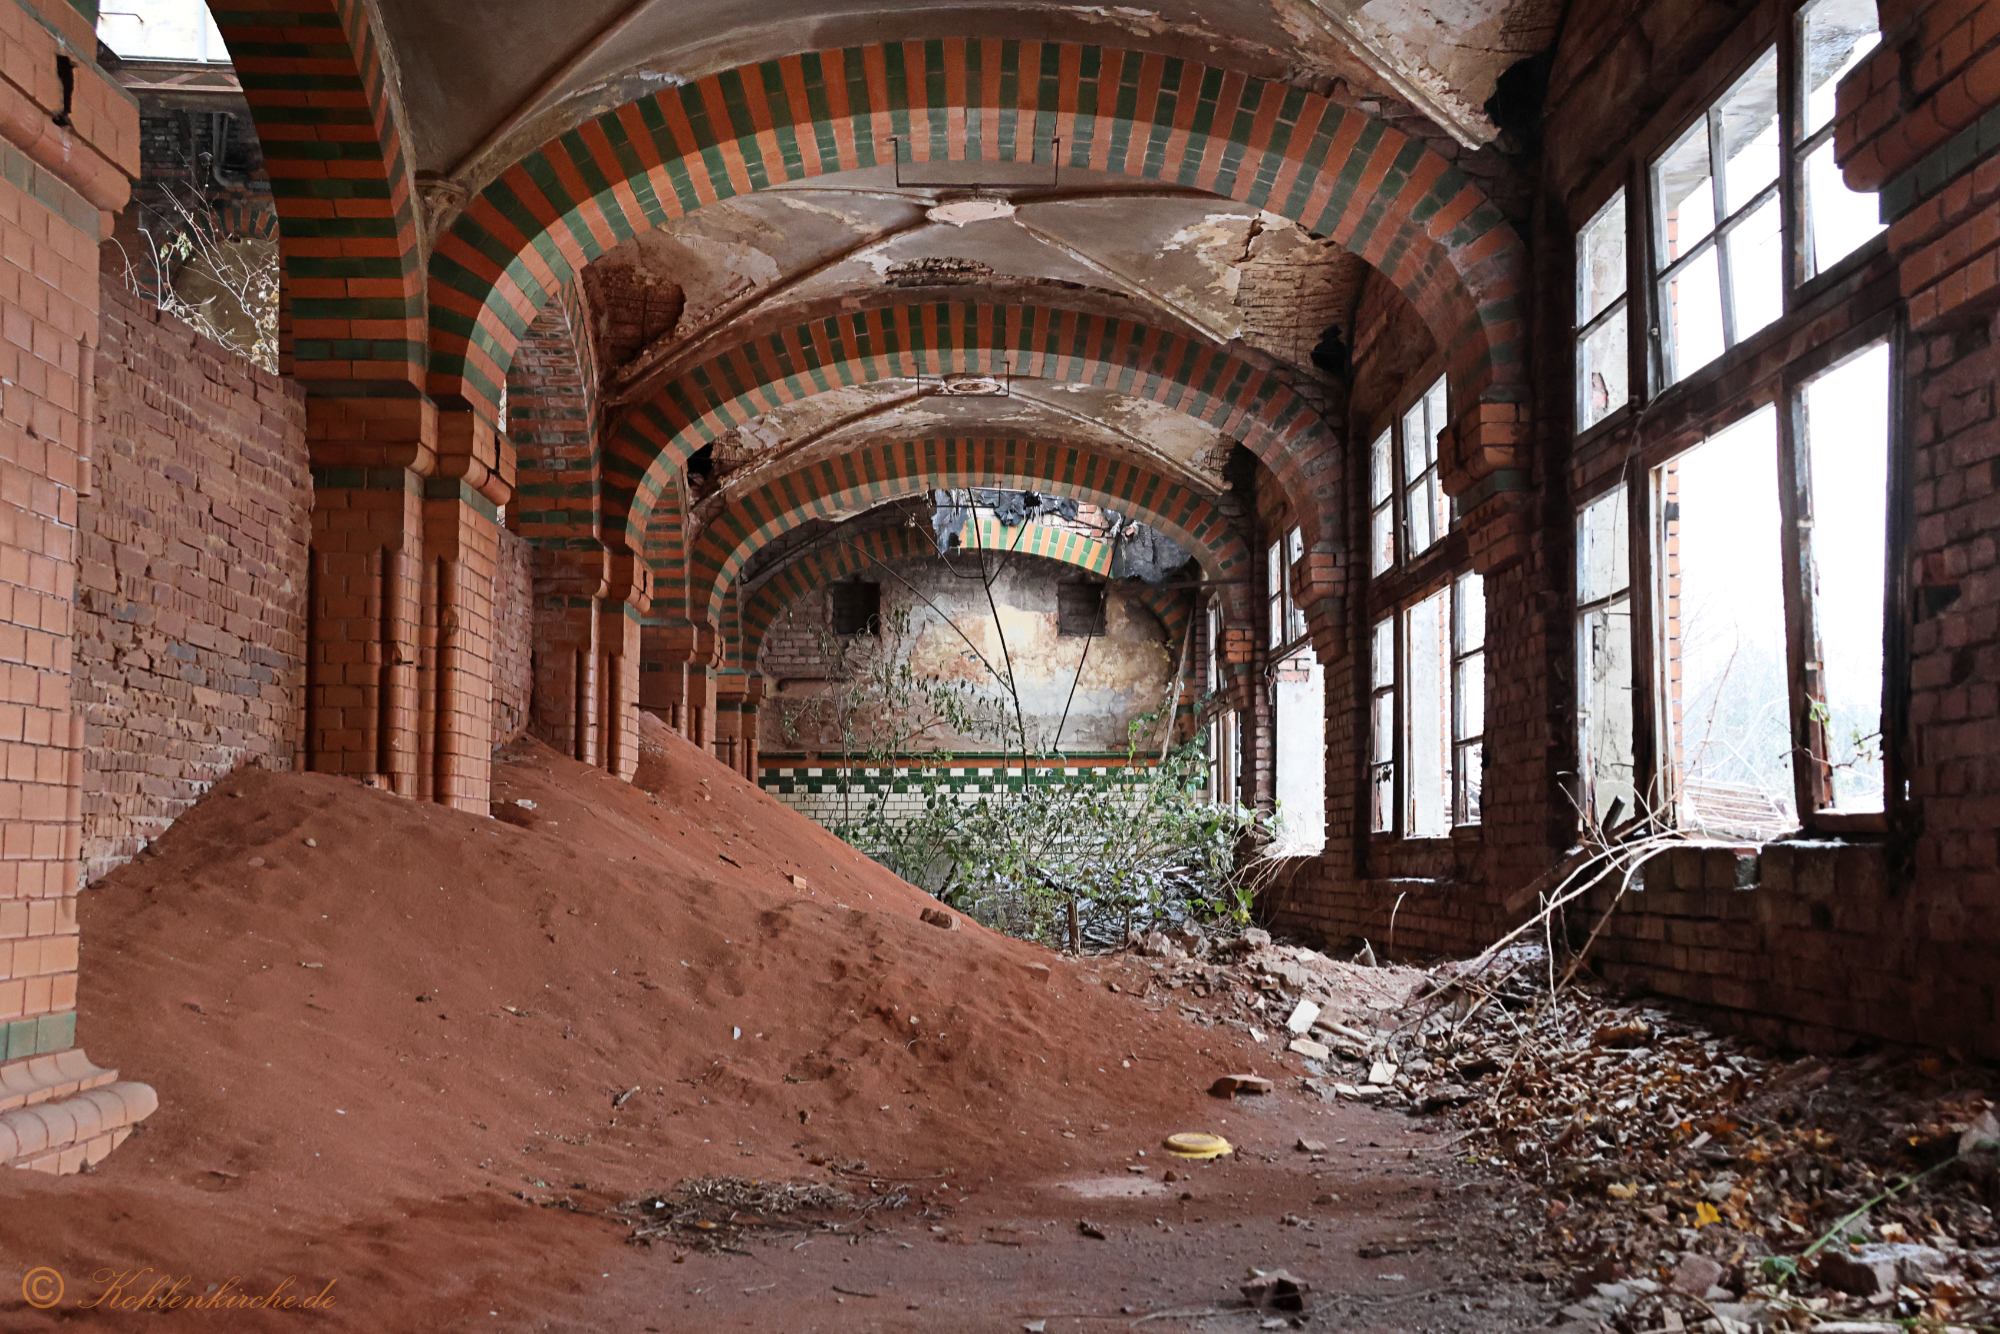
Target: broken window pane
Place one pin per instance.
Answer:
(1600, 261)
(1601, 370)
(1468, 696)
(1685, 195)
(1604, 655)
(1382, 755)
(1722, 633)
(1835, 35)
(1749, 124)
(1600, 314)
(1846, 436)
(1295, 615)
(1427, 631)
(1274, 582)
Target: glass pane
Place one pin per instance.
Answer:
(1382, 540)
(1601, 370)
(1380, 483)
(1382, 658)
(1299, 764)
(1602, 547)
(1836, 34)
(1723, 633)
(1838, 219)
(1847, 450)
(1426, 752)
(1435, 419)
(1381, 798)
(1469, 698)
(1470, 761)
(1385, 727)
(1750, 135)
(1600, 261)
(1686, 199)
(1415, 455)
(1470, 607)
(1295, 546)
(1421, 533)
(1604, 707)
(1274, 571)
(1757, 269)
(1694, 316)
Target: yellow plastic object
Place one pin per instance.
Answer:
(1193, 1144)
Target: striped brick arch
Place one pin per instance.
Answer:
(1341, 174)
(862, 552)
(313, 74)
(932, 339)
(879, 473)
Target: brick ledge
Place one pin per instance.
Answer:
(59, 1112)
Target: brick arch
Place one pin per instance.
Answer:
(882, 472)
(880, 546)
(313, 74)
(1341, 174)
(853, 347)
(552, 426)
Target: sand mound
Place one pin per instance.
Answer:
(377, 1025)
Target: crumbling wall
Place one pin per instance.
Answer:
(191, 598)
(1124, 675)
(513, 636)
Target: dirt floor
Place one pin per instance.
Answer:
(430, 1059)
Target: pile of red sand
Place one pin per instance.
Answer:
(376, 1026)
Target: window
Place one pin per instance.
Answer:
(1602, 351)
(1079, 609)
(1382, 504)
(1295, 614)
(1722, 652)
(1725, 221)
(1298, 709)
(1403, 462)
(1426, 508)
(857, 608)
(1604, 657)
(162, 30)
(1427, 706)
(1223, 774)
(1426, 649)
(1833, 36)
(1468, 695)
(1843, 436)
(1717, 235)
(1382, 727)
(1288, 619)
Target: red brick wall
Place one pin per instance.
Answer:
(190, 622)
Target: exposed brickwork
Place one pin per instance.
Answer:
(191, 604)
(53, 183)
(513, 635)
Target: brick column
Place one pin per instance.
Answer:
(60, 179)
(680, 661)
(370, 458)
(620, 616)
(564, 713)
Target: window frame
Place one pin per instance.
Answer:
(1401, 486)
(1855, 296)
(1397, 617)
(1622, 304)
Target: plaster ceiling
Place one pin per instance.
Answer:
(482, 84)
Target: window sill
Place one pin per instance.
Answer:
(1604, 426)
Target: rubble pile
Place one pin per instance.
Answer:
(1691, 1181)
(720, 1213)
